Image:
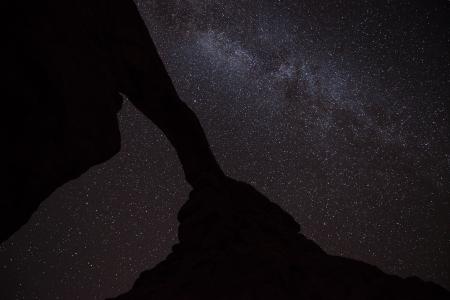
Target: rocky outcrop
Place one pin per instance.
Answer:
(236, 244)
(60, 103)
(67, 62)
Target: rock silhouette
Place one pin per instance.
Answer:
(236, 244)
(67, 63)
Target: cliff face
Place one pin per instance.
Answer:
(236, 244)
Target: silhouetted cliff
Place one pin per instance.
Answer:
(67, 63)
(60, 102)
(236, 244)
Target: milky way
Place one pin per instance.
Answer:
(336, 111)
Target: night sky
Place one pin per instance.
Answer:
(336, 110)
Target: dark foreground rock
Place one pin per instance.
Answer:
(67, 64)
(236, 244)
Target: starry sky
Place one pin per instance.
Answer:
(336, 110)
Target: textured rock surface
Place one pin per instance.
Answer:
(236, 244)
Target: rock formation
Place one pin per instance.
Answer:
(236, 244)
(67, 63)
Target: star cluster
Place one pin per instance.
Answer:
(336, 110)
